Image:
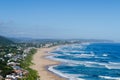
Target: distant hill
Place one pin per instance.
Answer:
(32, 40)
(21, 40)
(5, 41)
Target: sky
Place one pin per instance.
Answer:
(63, 19)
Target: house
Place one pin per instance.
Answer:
(16, 67)
(2, 59)
(10, 77)
(9, 55)
(13, 64)
(19, 73)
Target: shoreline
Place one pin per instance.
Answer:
(41, 64)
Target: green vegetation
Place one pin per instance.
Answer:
(5, 69)
(25, 64)
(5, 41)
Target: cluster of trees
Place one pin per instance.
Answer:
(5, 69)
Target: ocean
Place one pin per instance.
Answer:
(87, 61)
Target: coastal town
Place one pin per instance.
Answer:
(16, 59)
(11, 58)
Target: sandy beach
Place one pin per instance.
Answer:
(40, 64)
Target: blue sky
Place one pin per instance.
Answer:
(89, 19)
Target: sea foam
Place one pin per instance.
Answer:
(78, 56)
(65, 75)
(110, 78)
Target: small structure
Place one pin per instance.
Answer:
(13, 64)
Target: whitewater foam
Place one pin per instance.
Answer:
(110, 65)
(110, 78)
(64, 75)
(84, 57)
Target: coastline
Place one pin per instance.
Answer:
(41, 64)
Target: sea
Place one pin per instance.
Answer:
(87, 61)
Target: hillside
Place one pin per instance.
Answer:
(5, 41)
